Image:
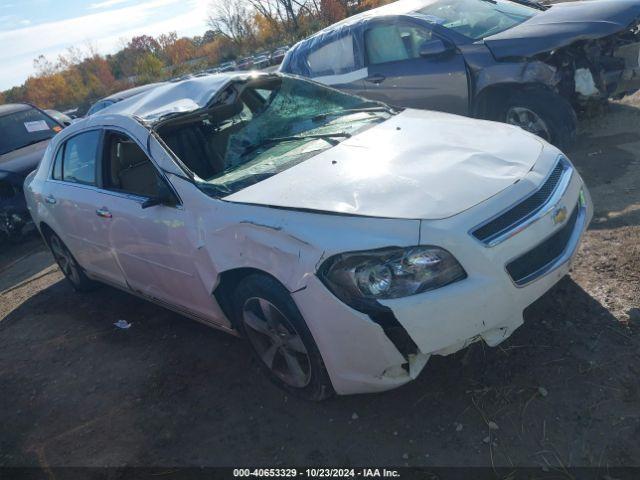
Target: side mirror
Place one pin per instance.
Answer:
(434, 48)
(164, 197)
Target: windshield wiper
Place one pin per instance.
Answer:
(349, 111)
(329, 137)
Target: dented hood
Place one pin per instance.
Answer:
(563, 24)
(416, 165)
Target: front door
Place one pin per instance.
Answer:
(153, 245)
(399, 75)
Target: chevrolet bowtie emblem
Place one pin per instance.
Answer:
(559, 215)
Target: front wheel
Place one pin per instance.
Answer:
(543, 113)
(68, 265)
(279, 338)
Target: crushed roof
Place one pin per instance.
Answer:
(182, 96)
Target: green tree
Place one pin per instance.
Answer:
(149, 68)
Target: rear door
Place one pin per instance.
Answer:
(398, 75)
(337, 61)
(72, 196)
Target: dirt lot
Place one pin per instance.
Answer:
(563, 391)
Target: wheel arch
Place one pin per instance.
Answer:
(46, 231)
(228, 281)
(487, 100)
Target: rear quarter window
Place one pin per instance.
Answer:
(334, 58)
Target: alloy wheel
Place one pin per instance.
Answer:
(276, 342)
(528, 120)
(65, 260)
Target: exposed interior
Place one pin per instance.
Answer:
(127, 168)
(201, 141)
(260, 127)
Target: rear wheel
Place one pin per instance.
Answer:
(541, 112)
(280, 338)
(68, 265)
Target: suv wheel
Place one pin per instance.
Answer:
(542, 113)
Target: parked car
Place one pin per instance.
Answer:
(277, 55)
(72, 113)
(346, 240)
(527, 65)
(120, 96)
(26, 132)
(245, 63)
(260, 62)
(227, 67)
(59, 117)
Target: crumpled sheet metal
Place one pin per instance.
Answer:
(564, 24)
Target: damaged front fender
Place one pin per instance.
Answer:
(562, 25)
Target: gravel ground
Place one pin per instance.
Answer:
(563, 391)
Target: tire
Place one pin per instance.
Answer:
(280, 338)
(71, 269)
(559, 121)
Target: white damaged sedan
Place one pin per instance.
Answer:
(346, 240)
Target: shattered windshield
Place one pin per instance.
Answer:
(264, 127)
(477, 19)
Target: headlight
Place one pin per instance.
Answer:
(389, 273)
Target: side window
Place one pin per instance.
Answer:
(57, 164)
(127, 168)
(394, 42)
(79, 159)
(334, 58)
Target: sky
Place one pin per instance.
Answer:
(29, 28)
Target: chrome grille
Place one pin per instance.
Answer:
(526, 267)
(522, 211)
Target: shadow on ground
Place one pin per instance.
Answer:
(78, 391)
(607, 155)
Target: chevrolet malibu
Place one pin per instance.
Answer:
(345, 240)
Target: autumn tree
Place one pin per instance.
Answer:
(180, 51)
(234, 20)
(219, 50)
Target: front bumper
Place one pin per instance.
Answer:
(487, 305)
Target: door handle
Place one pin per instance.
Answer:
(104, 213)
(376, 79)
(50, 199)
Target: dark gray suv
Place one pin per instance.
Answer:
(519, 63)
